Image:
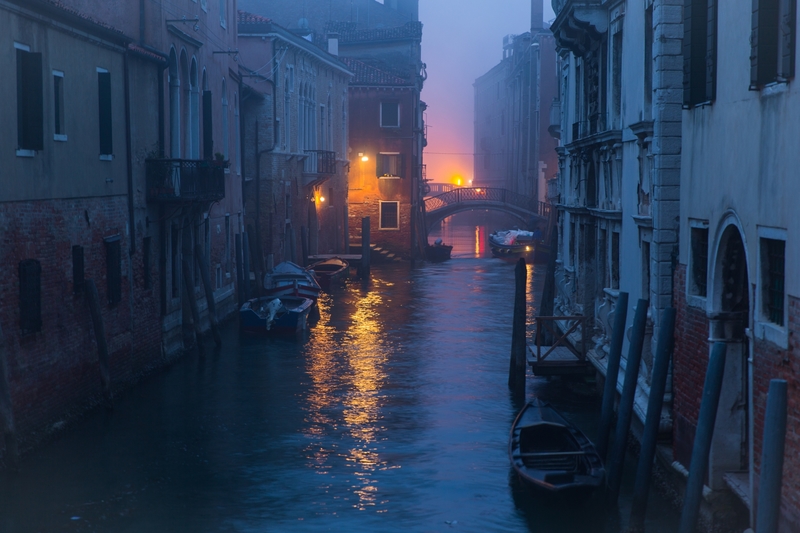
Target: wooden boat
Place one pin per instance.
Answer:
(273, 315)
(290, 279)
(552, 455)
(330, 272)
(437, 252)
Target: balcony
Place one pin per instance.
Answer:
(597, 123)
(185, 180)
(318, 166)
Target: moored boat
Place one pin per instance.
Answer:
(330, 272)
(437, 252)
(273, 315)
(552, 455)
(514, 243)
(290, 279)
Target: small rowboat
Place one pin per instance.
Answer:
(330, 272)
(552, 455)
(437, 252)
(271, 315)
(290, 279)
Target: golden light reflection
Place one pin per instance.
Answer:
(348, 375)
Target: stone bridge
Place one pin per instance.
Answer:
(525, 208)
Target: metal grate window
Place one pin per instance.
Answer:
(77, 269)
(390, 215)
(30, 296)
(699, 261)
(113, 270)
(773, 268)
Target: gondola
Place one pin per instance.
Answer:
(551, 455)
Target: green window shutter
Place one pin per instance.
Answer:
(788, 32)
(104, 99)
(208, 129)
(30, 101)
(687, 53)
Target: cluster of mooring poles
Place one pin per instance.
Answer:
(768, 509)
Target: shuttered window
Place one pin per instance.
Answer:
(699, 51)
(30, 101)
(104, 99)
(773, 265)
(30, 296)
(389, 165)
(77, 269)
(208, 128)
(772, 41)
(113, 270)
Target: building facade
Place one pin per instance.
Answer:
(124, 177)
(738, 232)
(619, 167)
(295, 142)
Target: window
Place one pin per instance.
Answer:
(208, 126)
(390, 115)
(772, 41)
(77, 269)
(59, 132)
(104, 100)
(390, 215)
(113, 270)
(699, 261)
(222, 12)
(773, 262)
(30, 296)
(146, 251)
(30, 104)
(225, 132)
(389, 165)
(615, 260)
(699, 51)
(646, 270)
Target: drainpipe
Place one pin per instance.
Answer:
(750, 410)
(129, 156)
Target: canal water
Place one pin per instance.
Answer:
(393, 414)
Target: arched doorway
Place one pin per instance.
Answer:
(728, 320)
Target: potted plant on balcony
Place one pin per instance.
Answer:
(219, 160)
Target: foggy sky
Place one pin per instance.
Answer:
(461, 41)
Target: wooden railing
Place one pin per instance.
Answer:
(548, 325)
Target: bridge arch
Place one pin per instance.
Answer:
(524, 208)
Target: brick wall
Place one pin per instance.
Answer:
(54, 373)
(690, 360)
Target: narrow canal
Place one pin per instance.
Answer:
(393, 415)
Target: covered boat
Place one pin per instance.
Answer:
(514, 243)
(552, 455)
(290, 279)
(273, 315)
(330, 272)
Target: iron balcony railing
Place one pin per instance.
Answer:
(185, 180)
(320, 162)
(597, 123)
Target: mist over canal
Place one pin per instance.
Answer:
(393, 415)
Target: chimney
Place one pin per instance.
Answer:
(537, 15)
(333, 44)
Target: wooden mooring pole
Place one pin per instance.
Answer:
(200, 258)
(625, 412)
(100, 338)
(769, 486)
(365, 248)
(6, 408)
(516, 370)
(239, 268)
(612, 374)
(702, 439)
(658, 385)
(195, 312)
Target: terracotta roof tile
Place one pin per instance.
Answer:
(369, 75)
(73, 11)
(251, 18)
(348, 34)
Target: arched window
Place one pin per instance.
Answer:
(225, 133)
(174, 106)
(194, 112)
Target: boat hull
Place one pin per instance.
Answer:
(438, 253)
(289, 279)
(291, 319)
(551, 455)
(330, 272)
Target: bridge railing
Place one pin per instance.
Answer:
(487, 194)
